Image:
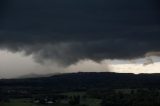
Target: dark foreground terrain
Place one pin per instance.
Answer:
(82, 89)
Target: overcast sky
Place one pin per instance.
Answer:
(71, 35)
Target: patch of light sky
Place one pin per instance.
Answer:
(17, 64)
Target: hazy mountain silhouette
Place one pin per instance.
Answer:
(33, 75)
(88, 80)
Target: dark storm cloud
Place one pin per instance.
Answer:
(70, 30)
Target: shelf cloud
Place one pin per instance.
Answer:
(67, 31)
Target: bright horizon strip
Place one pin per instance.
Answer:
(119, 66)
(17, 64)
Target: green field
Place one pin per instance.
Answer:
(23, 102)
(17, 103)
(84, 101)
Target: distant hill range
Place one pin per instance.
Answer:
(33, 75)
(88, 80)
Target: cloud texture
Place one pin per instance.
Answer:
(67, 31)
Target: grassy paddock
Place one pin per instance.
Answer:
(23, 102)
